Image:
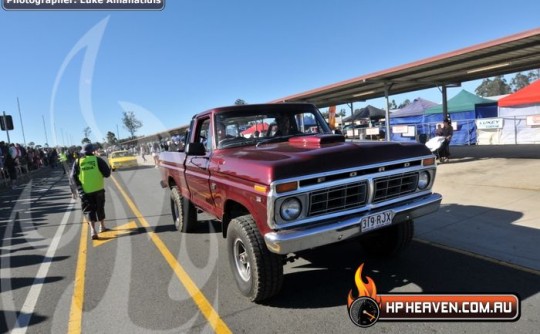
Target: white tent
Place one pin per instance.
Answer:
(520, 113)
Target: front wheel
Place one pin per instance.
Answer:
(258, 272)
(389, 241)
(183, 212)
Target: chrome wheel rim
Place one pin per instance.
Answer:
(241, 259)
(176, 215)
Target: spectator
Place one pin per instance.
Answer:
(155, 150)
(11, 164)
(447, 132)
(439, 131)
(143, 152)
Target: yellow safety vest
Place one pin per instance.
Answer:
(89, 174)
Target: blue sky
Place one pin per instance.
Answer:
(73, 69)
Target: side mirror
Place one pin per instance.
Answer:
(195, 149)
(338, 132)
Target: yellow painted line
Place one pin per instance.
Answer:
(77, 300)
(114, 233)
(198, 297)
(481, 257)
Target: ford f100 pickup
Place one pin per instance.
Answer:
(280, 182)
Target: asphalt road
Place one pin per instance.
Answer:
(143, 276)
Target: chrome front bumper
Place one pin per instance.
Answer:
(302, 238)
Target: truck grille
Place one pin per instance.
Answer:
(394, 186)
(339, 198)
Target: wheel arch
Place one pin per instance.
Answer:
(231, 210)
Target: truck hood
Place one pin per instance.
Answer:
(275, 161)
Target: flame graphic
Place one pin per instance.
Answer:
(364, 289)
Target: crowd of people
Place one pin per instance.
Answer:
(17, 161)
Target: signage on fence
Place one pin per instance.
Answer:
(533, 120)
(372, 131)
(399, 129)
(489, 123)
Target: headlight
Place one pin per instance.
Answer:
(290, 209)
(423, 180)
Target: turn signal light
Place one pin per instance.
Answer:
(428, 162)
(284, 187)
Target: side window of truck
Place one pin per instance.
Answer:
(203, 134)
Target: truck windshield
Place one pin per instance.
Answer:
(250, 127)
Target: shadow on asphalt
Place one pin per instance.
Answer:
(475, 152)
(35, 319)
(329, 277)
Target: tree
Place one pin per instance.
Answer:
(239, 102)
(493, 87)
(342, 113)
(404, 104)
(87, 131)
(392, 105)
(519, 81)
(131, 123)
(534, 75)
(111, 138)
(85, 140)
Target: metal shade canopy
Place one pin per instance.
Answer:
(519, 52)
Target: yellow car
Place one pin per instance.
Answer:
(122, 159)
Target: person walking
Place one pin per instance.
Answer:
(62, 157)
(88, 174)
(156, 149)
(447, 133)
(143, 151)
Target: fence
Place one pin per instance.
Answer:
(512, 130)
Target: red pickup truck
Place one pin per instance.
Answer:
(280, 182)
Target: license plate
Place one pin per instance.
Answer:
(373, 222)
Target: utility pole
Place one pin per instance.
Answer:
(45, 129)
(20, 116)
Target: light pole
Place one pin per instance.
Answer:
(45, 129)
(20, 116)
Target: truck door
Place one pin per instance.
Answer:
(197, 173)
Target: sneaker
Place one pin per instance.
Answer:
(95, 237)
(103, 229)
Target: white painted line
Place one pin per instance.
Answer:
(31, 299)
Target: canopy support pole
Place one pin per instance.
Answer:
(444, 102)
(387, 87)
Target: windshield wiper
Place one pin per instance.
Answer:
(273, 140)
(238, 141)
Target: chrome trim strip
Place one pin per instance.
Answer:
(306, 237)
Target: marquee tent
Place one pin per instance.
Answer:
(410, 115)
(368, 112)
(521, 116)
(463, 110)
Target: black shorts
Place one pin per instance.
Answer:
(95, 206)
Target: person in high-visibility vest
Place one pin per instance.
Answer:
(63, 160)
(88, 173)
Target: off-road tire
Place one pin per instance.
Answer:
(258, 272)
(389, 241)
(183, 212)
